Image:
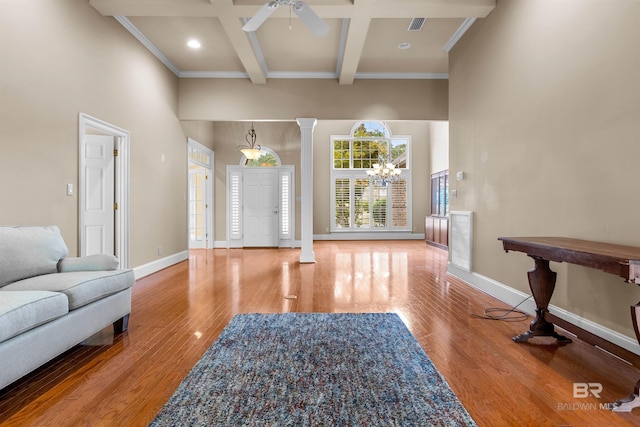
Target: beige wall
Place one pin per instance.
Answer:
(201, 131)
(544, 121)
(324, 99)
(59, 58)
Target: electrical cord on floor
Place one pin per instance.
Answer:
(508, 315)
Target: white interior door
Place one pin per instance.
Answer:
(260, 193)
(99, 197)
(198, 208)
(201, 208)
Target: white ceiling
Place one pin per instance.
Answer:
(362, 41)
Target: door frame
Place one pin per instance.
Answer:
(209, 189)
(235, 206)
(122, 139)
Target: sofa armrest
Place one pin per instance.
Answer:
(97, 262)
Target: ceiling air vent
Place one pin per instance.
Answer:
(416, 24)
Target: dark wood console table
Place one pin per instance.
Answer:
(623, 261)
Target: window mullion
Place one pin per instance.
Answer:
(351, 153)
(352, 202)
(373, 196)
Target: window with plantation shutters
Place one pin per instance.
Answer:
(357, 203)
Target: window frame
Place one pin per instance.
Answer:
(353, 174)
(440, 193)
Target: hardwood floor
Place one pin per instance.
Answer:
(178, 312)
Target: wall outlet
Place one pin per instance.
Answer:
(159, 250)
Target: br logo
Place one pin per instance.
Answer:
(583, 390)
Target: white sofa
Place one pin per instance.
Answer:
(50, 302)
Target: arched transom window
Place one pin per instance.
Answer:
(268, 158)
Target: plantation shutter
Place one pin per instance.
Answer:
(234, 201)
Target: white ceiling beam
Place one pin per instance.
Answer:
(356, 37)
(372, 8)
(242, 45)
(252, 61)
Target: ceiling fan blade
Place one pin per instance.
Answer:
(260, 16)
(310, 19)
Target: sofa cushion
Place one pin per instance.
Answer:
(24, 310)
(81, 287)
(29, 251)
(89, 263)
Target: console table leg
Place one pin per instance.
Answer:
(542, 282)
(633, 400)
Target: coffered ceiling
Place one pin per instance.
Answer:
(366, 38)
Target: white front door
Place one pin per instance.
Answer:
(260, 191)
(99, 197)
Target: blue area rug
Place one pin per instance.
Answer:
(299, 369)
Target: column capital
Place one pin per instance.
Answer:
(307, 123)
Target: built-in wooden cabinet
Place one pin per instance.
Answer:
(436, 225)
(436, 230)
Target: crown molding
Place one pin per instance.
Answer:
(466, 24)
(213, 75)
(302, 75)
(311, 75)
(147, 43)
(403, 76)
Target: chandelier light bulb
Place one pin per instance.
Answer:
(382, 175)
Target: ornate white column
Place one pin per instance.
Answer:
(306, 182)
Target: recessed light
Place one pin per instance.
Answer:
(194, 44)
(404, 46)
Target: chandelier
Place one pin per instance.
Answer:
(383, 173)
(252, 150)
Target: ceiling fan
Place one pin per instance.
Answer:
(304, 12)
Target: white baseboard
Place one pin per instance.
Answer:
(157, 265)
(346, 236)
(220, 244)
(513, 297)
(391, 235)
